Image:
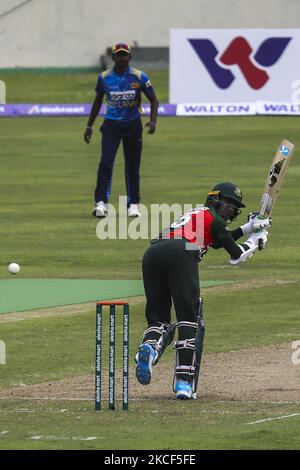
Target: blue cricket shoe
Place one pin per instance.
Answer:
(183, 390)
(145, 358)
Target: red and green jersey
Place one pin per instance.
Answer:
(203, 228)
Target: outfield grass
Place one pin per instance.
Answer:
(48, 178)
(47, 183)
(63, 86)
(72, 425)
(62, 346)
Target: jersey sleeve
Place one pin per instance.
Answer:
(146, 86)
(100, 86)
(223, 238)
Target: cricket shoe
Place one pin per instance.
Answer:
(133, 210)
(183, 390)
(145, 358)
(99, 210)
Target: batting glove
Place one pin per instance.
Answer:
(256, 241)
(259, 239)
(256, 223)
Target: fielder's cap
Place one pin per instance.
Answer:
(121, 47)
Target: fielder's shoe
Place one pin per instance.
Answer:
(133, 210)
(99, 210)
(145, 359)
(183, 390)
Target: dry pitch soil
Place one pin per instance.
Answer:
(263, 375)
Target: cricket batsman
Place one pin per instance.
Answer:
(170, 274)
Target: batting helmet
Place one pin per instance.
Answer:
(226, 198)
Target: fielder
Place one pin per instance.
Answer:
(123, 87)
(170, 274)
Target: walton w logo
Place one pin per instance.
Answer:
(239, 52)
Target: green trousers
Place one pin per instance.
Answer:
(170, 275)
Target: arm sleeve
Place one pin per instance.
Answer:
(224, 239)
(146, 86)
(100, 86)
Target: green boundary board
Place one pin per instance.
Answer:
(19, 295)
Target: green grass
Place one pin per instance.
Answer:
(47, 183)
(48, 178)
(65, 86)
(202, 426)
(65, 344)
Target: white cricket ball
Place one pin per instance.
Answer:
(13, 268)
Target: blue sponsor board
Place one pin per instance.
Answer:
(31, 110)
(6, 110)
(182, 109)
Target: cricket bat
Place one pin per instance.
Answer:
(275, 178)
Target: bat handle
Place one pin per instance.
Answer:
(262, 214)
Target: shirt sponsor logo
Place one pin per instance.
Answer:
(122, 95)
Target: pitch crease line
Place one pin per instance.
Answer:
(273, 419)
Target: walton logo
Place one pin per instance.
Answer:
(238, 53)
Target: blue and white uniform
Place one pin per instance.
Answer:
(123, 93)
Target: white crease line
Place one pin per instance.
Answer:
(59, 438)
(45, 399)
(273, 419)
(34, 411)
(137, 400)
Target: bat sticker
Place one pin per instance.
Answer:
(284, 150)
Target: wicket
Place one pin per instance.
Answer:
(112, 361)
